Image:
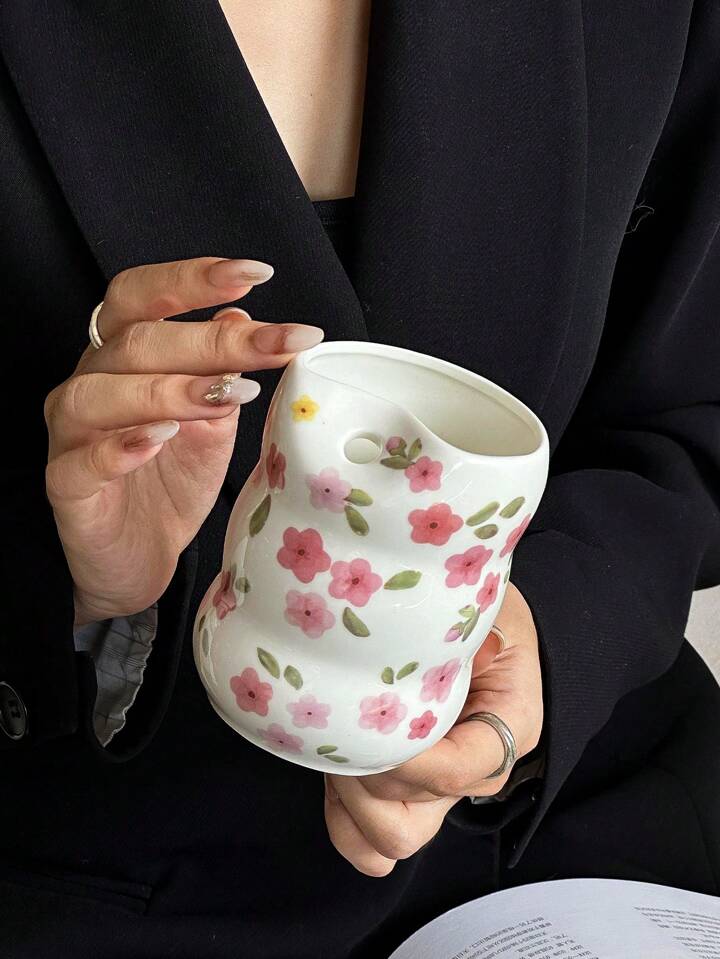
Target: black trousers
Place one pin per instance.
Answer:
(640, 805)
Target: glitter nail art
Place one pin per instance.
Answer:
(220, 392)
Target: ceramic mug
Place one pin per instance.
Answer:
(367, 555)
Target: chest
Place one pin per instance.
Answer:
(308, 61)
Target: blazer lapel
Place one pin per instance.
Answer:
(164, 149)
(470, 189)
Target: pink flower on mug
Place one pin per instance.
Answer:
(275, 464)
(434, 525)
(251, 694)
(308, 611)
(394, 443)
(354, 582)
(277, 738)
(488, 592)
(424, 474)
(455, 632)
(438, 681)
(328, 491)
(224, 598)
(309, 712)
(384, 712)
(464, 569)
(303, 553)
(514, 537)
(421, 727)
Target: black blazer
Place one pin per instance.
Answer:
(537, 199)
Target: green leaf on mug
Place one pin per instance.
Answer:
(406, 670)
(233, 572)
(354, 624)
(324, 750)
(242, 584)
(399, 449)
(293, 677)
(387, 676)
(512, 507)
(338, 759)
(356, 521)
(466, 611)
(269, 662)
(415, 450)
(396, 462)
(485, 532)
(206, 642)
(482, 514)
(259, 517)
(358, 497)
(470, 625)
(404, 580)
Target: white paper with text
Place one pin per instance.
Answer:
(574, 919)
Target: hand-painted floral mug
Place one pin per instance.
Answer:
(367, 555)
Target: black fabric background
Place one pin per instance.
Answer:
(537, 199)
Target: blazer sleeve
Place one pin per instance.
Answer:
(55, 685)
(629, 524)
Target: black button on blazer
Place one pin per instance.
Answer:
(537, 199)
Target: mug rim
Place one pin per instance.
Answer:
(459, 373)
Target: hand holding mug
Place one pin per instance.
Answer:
(140, 435)
(375, 820)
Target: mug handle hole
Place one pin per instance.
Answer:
(362, 448)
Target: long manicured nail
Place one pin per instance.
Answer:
(286, 337)
(147, 436)
(239, 273)
(230, 389)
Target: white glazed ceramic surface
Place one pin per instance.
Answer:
(341, 629)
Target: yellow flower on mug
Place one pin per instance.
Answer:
(304, 408)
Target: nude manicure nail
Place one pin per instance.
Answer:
(302, 338)
(151, 435)
(230, 389)
(286, 338)
(239, 272)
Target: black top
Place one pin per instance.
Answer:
(336, 216)
(537, 200)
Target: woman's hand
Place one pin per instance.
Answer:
(375, 820)
(142, 432)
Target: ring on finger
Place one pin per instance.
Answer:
(96, 339)
(505, 734)
(501, 636)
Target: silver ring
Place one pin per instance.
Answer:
(501, 636)
(95, 339)
(508, 741)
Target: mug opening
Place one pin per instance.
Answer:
(460, 407)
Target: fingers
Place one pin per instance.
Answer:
(394, 830)
(456, 765)
(351, 843)
(107, 401)
(81, 473)
(158, 290)
(231, 342)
